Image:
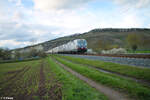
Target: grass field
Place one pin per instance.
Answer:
(139, 73)
(43, 80)
(132, 88)
(27, 80)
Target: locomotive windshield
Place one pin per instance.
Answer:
(82, 43)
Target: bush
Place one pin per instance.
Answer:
(31, 54)
(114, 51)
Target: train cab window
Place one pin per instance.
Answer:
(82, 43)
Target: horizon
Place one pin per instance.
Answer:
(28, 22)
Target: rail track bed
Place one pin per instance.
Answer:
(140, 55)
(139, 62)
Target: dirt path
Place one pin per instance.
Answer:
(145, 83)
(54, 93)
(110, 93)
(41, 88)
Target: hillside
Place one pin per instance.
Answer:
(99, 39)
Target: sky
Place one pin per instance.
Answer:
(28, 22)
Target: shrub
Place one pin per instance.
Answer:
(114, 51)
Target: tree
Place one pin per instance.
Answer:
(17, 54)
(37, 53)
(134, 47)
(33, 52)
(144, 42)
(1, 52)
(42, 54)
(5, 54)
(133, 40)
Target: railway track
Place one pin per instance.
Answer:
(132, 61)
(144, 56)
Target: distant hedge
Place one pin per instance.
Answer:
(13, 61)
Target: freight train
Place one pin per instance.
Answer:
(75, 46)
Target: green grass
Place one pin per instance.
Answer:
(73, 88)
(137, 72)
(128, 86)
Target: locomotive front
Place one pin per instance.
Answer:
(82, 45)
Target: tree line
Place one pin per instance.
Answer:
(31, 54)
(6, 54)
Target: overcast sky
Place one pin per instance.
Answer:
(24, 22)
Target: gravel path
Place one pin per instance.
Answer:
(128, 61)
(110, 93)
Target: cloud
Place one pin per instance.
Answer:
(25, 32)
(133, 3)
(49, 5)
(13, 44)
(131, 20)
(20, 25)
(16, 2)
(46, 5)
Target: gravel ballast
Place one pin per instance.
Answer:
(128, 61)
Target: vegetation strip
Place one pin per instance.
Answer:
(8, 86)
(110, 93)
(12, 74)
(41, 88)
(48, 87)
(143, 82)
(14, 61)
(74, 88)
(15, 86)
(132, 88)
(29, 83)
(136, 72)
